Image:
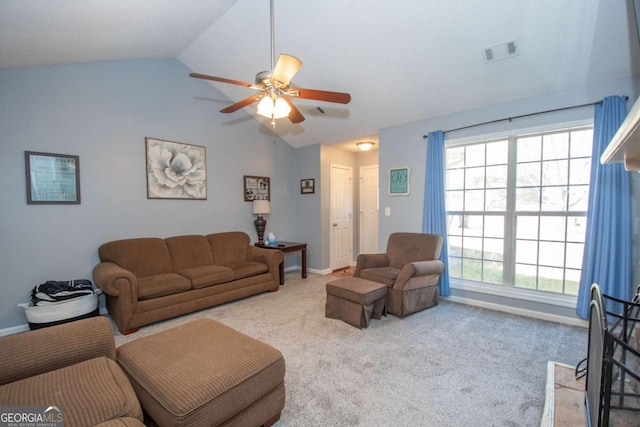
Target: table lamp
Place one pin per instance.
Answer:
(261, 207)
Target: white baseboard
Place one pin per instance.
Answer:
(519, 311)
(309, 270)
(14, 330)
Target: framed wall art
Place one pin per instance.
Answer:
(175, 170)
(256, 188)
(307, 186)
(52, 178)
(399, 181)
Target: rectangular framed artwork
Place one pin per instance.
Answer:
(307, 186)
(399, 181)
(256, 188)
(176, 170)
(52, 178)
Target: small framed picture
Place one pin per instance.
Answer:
(307, 186)
(257, 188)
(399, 181)
(52, 178)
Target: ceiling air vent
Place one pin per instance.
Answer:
(500, 51)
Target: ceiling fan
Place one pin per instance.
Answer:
(274, 88)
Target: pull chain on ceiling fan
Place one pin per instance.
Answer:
(274, 88)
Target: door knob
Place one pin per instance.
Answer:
(335, 224)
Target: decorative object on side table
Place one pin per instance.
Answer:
(176, 170)
(307, 186)
(52, 178)
(261, 207)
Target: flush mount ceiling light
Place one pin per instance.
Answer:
(365, 145)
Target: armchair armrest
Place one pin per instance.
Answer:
(115, 280)
(424, 268)
(411, 274)
(32, 353)
(370, 261)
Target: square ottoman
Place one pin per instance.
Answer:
(355, 301)
(204, 373)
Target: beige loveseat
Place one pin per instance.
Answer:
(146, 280)
(72, 367)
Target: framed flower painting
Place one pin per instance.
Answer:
(175, 170)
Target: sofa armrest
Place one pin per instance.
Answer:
(271, 257)
(115, 280)
(370, 261)
(32, 353)
(411, 274)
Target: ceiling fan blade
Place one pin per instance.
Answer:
(241, 104)
(222, 79)
(286, 67)
(295, 116)
(322, 95)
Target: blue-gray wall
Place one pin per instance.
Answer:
(102, 112)
(404, 146)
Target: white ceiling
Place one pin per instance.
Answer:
(401, 61)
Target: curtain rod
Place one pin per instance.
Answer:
(525, 115)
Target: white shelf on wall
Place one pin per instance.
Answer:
(625, 144)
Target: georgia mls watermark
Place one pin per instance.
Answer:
(31, 416)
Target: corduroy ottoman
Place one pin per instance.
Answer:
(355, 301)
(204, 373)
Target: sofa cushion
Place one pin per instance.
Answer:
(229, 248)
(248, 269)
(207, 275)
(161, 285)
(143, 257)
(91, 392)
(189, 251)
(386, 275)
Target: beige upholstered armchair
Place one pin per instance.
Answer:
(410, 268)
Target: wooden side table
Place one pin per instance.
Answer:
(287, 247)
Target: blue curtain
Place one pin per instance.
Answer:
(607, 251)
(434, 220)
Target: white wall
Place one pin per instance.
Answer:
(102, 112)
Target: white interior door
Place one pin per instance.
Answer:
(369, 206)
(341, 240)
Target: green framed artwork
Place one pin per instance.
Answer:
(399, 181)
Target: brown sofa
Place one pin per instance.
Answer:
(146, 280)
(410, 268)
(71, 366)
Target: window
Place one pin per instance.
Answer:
(517, 209)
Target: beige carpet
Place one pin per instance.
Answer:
(451, 365)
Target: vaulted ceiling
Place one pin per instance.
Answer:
(401, 61)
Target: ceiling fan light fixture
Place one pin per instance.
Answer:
(365, 145)
(273, 109)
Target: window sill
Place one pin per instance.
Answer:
(567, 301)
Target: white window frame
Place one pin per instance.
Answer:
(506, 291)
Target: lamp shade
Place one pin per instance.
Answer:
(261, 207)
